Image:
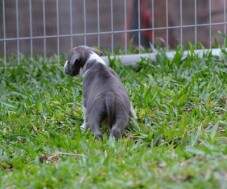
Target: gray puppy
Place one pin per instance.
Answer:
(104, 95)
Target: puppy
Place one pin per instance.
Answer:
(104, 95)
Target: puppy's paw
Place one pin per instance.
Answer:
(83, 127)
(115, 133)
(132, 112)
(98, 136)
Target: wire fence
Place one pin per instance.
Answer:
(50, 27)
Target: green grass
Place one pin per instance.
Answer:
(180, 141)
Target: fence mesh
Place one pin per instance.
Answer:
(49, 27)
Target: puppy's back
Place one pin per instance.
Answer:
(105, 91)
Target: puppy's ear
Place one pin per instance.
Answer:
(74, 58)
(97, 51)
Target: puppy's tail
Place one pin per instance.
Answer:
(110, 107)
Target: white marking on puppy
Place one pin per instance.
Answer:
(82, 71)
(132, 110)
(93, 56)
(83, 127)
(66, 62)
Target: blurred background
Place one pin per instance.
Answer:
(48, 27)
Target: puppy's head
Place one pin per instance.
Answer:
(78, 58)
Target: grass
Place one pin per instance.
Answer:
(180, 141)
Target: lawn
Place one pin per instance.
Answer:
(180, 140)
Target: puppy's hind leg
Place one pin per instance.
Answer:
(118, 127)
(93, 123)
(94, 127)
(96, 130)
